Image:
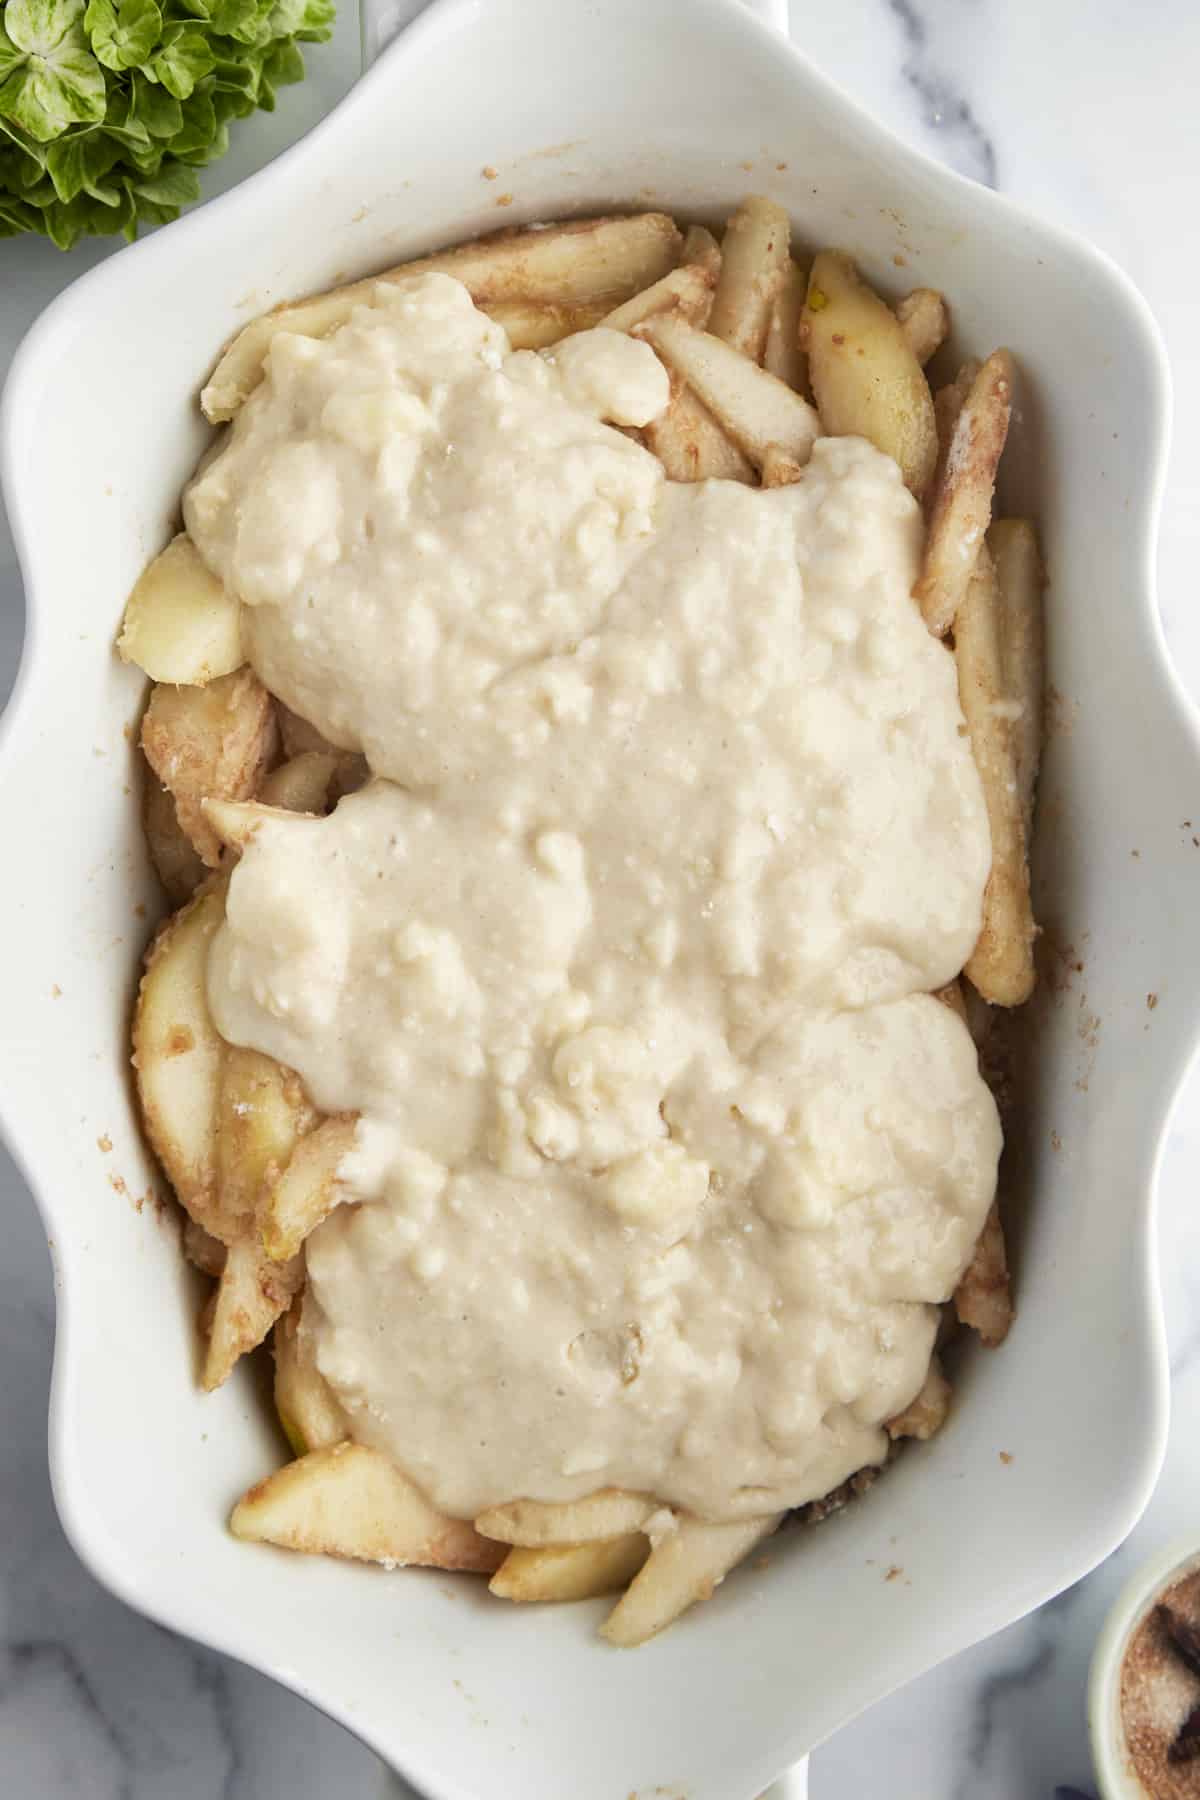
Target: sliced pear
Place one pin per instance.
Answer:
(690, 444)
(309, 1189)
(925, 321)
(783, 354)
(686, 1564)
(962, 500)
(927, 1411)
(302, 783)
(948, 403)
(687, 291)
(216, 741)
(755, 408)
(236, 821)
(570, 1571)
(172, 852)
(1001, 967)
(779, 469)
(204, 1251)
(560, 265)
(608, 1513)
(701, 250)
(755, 253)
(535, 325)
(350, 1500)
(262, 1113)
(299, 737)
(983, 1298)
(251, 1293)
(309, 1413)
(865, 377)
(181, 624)
(178, 1055)
(1021, 578)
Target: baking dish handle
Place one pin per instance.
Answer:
(382, 20)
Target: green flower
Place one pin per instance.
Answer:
(108, 107)
(123, 36)
(49, 78)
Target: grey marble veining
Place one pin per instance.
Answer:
(945, 111)
(95, 1703)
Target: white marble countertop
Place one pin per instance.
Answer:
(1085, 109)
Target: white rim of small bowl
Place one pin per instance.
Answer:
(1105, 1729)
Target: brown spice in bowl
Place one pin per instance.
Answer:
(1160, 1695)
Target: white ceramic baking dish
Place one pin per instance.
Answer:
(580, 106)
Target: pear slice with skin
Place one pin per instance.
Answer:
(865, 378)
(263, 1112)
(608, 1513)
(570, 1571)
(309, 1413)
(308, 1189)
(176, 861)
(302, 783)
(350, 1501)
(213, 742)
(685, 1565)
(181, 623)
(178, 1056)
(251, 1292)
(755, 408)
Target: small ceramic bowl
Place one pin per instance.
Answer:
(1110, 1750)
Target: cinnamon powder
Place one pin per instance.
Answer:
(1158, 1694)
